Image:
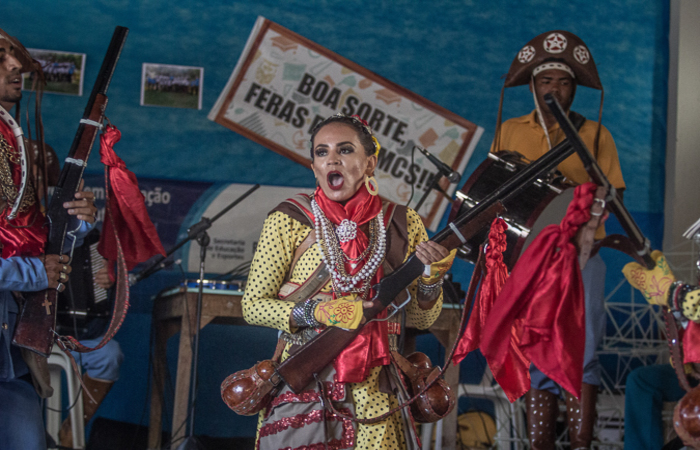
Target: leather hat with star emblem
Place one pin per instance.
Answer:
(555, 46)
(556, 49)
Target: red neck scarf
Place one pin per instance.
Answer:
(25, 235)
(361, 208)
(371, 346)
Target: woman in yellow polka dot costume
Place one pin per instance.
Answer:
(346, 228)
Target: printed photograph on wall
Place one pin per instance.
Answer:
(171, 86)
(63, 71)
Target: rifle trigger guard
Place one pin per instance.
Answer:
(394, 309)
(73, 239)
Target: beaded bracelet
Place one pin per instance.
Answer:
(429, 288)
(298, 314)
(309, 309)
(303, 313)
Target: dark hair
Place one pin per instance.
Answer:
(364, 133)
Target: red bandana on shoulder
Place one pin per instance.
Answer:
(25, 235)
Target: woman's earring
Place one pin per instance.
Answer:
(372, 185)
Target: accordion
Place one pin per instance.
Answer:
(82, 300)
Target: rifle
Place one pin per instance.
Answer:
(635, 243)
(298, 370)
(35, 329)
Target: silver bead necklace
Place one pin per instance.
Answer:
(335, 258)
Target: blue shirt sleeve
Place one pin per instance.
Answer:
(21, 273)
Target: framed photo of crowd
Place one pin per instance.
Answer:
(63, 71)
(171, 86)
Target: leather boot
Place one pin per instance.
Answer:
(98, 389)
(542, 412)
(582, 416)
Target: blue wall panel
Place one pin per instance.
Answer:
(451, 52)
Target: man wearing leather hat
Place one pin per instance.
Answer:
(557, 62)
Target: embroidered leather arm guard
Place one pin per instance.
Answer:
(343, 312)
(654, 284)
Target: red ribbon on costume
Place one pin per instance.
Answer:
(542, 308)
(496, 276)
(136, 232)
(371, 346)
(25, 235)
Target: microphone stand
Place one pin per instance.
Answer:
(433, 185)
(197, 231)
(192, 234)
(191, 442)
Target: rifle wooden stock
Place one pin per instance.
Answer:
(298, 370)
(641, 244)
(35, 329)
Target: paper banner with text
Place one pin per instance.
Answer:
(284, 84)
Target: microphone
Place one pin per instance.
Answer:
(443, 168)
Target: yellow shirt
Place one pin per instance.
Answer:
(525, 136)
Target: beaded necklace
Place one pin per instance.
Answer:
(8, 190)
(335, 258)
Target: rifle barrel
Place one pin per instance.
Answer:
(104, 77)
(641, 243)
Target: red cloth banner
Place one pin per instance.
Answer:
(129, 217)
(542, 308)
(496, 276)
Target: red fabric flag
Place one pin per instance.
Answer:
(129, 217)
(542, 308)
(496, 276)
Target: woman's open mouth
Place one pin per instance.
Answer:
(335, 180)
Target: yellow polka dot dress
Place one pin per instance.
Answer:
(690, 304)
(280, 237)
